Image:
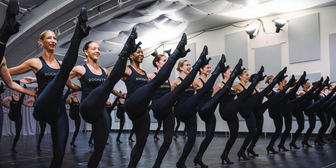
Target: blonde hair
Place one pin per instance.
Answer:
(42, 35)
(180, 64)
(245, 71)
(269, 77)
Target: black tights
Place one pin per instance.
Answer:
(178, 122)
(159, 121)
(94, 112)
(233, 127)
(210, 127)
(278, 122)
(312, 123)
(251, 126)
(136, 107)
(324, 124)
(100, 132)
(121, 117)
(59, 134)
(18, 128)
(288, 127)
(300, 121)
(191, 128)
(43, 125)
(168, 129)
(259, 128)
(77, 125)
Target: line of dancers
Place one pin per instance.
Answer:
(156, 89)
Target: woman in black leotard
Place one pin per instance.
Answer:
(261, 108)
(74, 114)
(51, 78)
(121, 115)
(207, 115)
(9, 27)
(15, 115)
(96, 88)
(140, 93)
(30, 103)
(276, 110)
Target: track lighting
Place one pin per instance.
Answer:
(279, 23)
(155, 53)
(250, 30)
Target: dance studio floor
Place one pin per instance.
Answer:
(117, 155)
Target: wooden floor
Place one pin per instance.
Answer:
(117, 155)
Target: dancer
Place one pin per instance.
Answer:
(311, 114)
(186, 106)
(316, 108)
(140, 92)
(121, 115)
(9, 27)
(207, 116)
(74, 114)
(15, 115)
(276, 110)
(261, 108)
(51, 78)
(298, 105)
(96, 88)
(253, 99)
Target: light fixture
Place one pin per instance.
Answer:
(155, 53)
(167, 51)
(250, 29)
(279, 23)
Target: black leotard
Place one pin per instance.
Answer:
(90, 81)
(135, 81)
(74, 109)
(45, 75)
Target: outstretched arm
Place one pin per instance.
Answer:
(5, 75)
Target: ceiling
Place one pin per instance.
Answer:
(157, 21)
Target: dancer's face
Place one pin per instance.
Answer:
(93, 51)
(15, 92)
(206, 69)
(137, 56)
(162, 61)
(306, 85)
(270, 80)
(245, 77)
(186, 67)
(49, 42)
(227, 73)
(74, 94)
(283, 83)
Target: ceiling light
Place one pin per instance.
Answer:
(167, 51)
(155, 53)
(279, 23)
(250, 29)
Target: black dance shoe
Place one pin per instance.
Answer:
(220, 68)
(198, 160)
(130, 46)
(180, 51)
(225, 158)
(242, 155)
(251, 151)
(82, 29)
(270, 148)
(10, 25)
(305, 142)
(202, 60)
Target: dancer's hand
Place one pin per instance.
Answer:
(28, 80)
